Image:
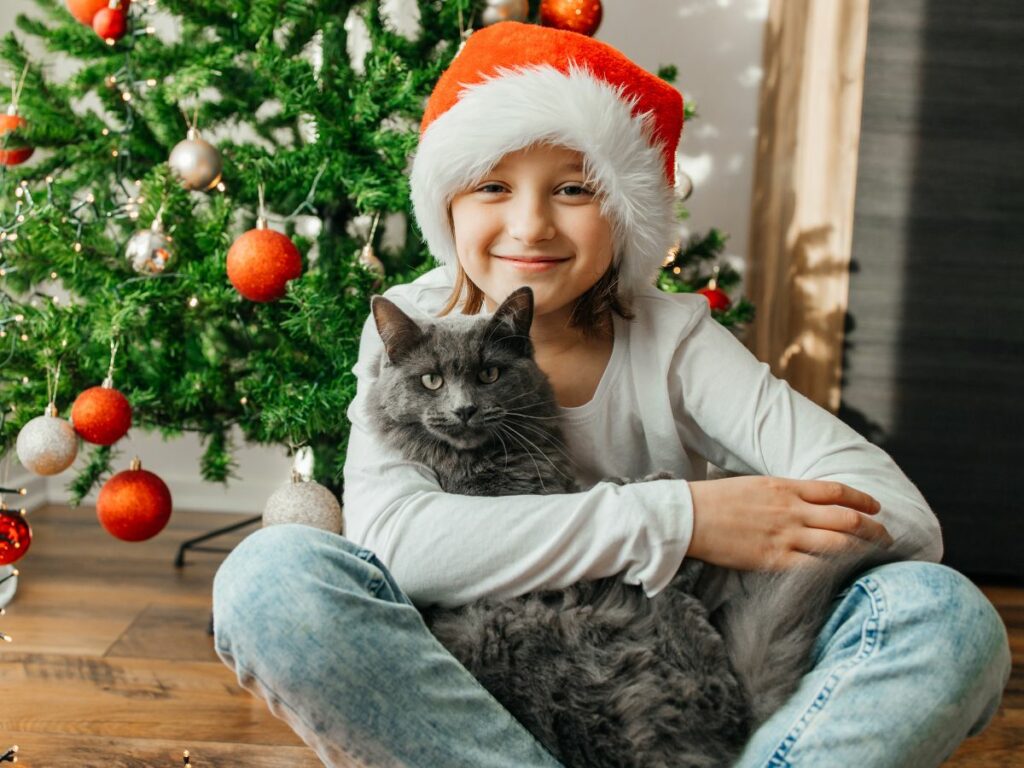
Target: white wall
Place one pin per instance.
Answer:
(716, 44)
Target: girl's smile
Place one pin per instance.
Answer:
(534, 219)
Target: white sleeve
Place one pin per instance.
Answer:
(451, 549)
(744, 419)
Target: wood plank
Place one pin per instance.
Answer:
(53, 751)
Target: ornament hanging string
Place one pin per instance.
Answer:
(109, 380)
(16, 89)
(51, 386)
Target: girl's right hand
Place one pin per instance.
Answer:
(773, 523)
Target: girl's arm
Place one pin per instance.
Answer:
(450, 549)
(744, 419)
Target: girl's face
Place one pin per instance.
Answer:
(533, 221)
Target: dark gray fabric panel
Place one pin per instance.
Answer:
(934, 359)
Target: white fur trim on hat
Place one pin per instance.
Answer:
(517, 108)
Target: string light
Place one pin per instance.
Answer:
(193, 302)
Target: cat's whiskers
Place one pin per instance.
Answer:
(529, 453)
(543, 455)
(540, 432)
(521, 415)
(497, 434)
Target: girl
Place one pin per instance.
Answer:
(547, 159)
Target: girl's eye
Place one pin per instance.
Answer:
(431, 381)
(489, 375)
(491, 188)
(582, 191)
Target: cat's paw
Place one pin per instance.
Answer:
(616, 480)
(662, 475)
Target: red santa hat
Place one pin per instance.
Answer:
(514, 85)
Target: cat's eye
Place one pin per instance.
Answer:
(431, 381)
(489, 375)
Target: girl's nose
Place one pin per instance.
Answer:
(529, 220)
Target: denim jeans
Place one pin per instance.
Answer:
(913, 660)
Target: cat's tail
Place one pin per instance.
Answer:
(770, 627)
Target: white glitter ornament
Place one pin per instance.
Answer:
(47, 444)
(504, 10)
(305, 502)
(196, 162)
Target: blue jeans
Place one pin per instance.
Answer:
(913, 660)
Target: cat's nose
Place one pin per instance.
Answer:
(465, 413)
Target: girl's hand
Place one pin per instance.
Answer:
(772, 523)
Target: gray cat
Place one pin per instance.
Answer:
(601, 674)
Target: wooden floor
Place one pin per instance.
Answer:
(111, 665)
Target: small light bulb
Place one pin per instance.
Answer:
(90, 198)
(105, 132)
(113, 153)
(21, 218)
(133, 215)
(22, 491)
(151, 82)
(676, 270)
(150, 30)
(24, 379)
(53, 275)
(24, 337)
(3, 334)
(49, 179)
(19, 318)
(3, 273)
(63, 342)
(126, 96)
(111, 80)
(77, 247)
(19, 192)
(141, 199)
(13, 236)
(110, 41)
(244, 400)
(193, 302)
(221, 186)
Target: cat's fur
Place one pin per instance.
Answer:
(601, 674)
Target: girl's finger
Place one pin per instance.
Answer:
(849, 521)
(839, 494)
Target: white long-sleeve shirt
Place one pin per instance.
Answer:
(679, 391)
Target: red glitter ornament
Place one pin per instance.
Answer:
(583, 16)
(13, 155)
(134, 505)
(261, 262)
(15, 535)
(86, 10)
(110, 23)
(101, 415)
(717, 298)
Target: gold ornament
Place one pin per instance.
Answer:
(369, 260)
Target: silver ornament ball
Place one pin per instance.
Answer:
(48, 444)
(196, 162)
(304, 502)
(149, 250)
(504, 10)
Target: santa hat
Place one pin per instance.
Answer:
(514, 85)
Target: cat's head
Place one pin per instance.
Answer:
(462, 380)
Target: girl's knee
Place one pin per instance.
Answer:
(274, 570)
(948, 615)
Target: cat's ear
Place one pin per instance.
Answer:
(397, 330)
(513, 320)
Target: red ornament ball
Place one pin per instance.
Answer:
(86, 10)
(261, 262)
(101, 415)
(583, 16)
(134, 505)
(13, 154)
(717, 298)
(110, 23)
(15, 536)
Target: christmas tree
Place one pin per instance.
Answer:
(156, 279)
